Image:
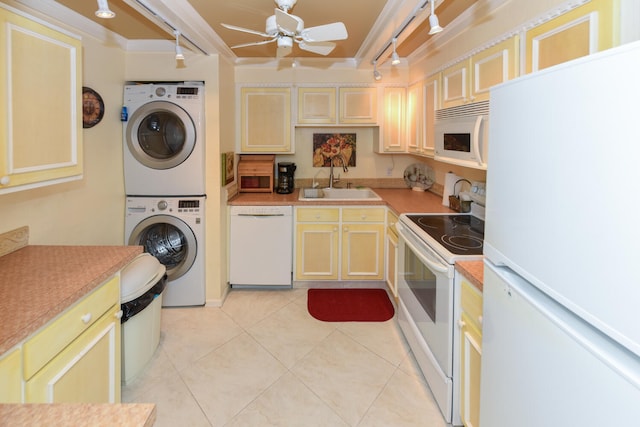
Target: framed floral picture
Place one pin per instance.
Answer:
(328, 145)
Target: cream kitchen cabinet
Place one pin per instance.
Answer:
(335, 243)
(316, 106)
(584, 30)
(76, 357)
(40, 104)
(492, 66)
(265, 120)
(455, 84)
(470, 324)
(393, 129)
(358, 105)
(11, 374)
(391, 251)
(423, 99)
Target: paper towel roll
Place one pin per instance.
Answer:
(450, 179)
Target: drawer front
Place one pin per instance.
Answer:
(44, 345)
(363, 214)
(471, 302)
(318, 215)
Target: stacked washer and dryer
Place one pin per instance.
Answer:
(164, 171)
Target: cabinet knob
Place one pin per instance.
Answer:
(346, 229)
(363, 217)
(86, 318)
(461, 323)
(480, 319)
(119, 314)
(4, 180)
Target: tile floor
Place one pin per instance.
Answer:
(262, 360)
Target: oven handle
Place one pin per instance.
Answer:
(440, 268)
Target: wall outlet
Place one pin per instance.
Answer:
(389, 171)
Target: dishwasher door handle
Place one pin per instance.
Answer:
(242, 214)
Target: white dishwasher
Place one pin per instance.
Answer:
(261, 246)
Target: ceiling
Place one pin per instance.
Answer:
(371, 24)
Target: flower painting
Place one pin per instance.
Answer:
(328, 145)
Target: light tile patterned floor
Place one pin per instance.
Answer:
(262, 360)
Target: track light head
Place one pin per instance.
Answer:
(376, 74)
(433, 20)
(104, 11)
(395, 59)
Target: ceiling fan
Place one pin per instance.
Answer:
(285, 29)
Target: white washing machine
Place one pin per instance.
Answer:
(164, 139)
(172, 229)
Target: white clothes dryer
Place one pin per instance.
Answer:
(172, 229)
(164, 139)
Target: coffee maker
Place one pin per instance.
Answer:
(285, 177)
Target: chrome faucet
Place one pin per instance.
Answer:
(333, 180)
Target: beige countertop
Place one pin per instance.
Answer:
(401, 200)
(39, 282)
(78, 415)
(472, 270)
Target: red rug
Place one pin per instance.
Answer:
(350, 305)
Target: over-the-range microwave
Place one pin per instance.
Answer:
(461, 135)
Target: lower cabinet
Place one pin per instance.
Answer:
(74, 358)
(339, 243)
(11, 375)
(470, 353)
(391, 250)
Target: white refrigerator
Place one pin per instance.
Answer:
(561, 321)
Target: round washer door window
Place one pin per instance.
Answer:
(161, 135)
(170, 240)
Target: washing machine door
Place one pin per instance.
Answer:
(170, 240)
(160, 135)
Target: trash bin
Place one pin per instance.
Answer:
(141, 284)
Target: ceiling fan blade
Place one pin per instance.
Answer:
(323, 33)
(246, 30)
(321, 48)
(254, 43)
(283, 51)
(289, 24)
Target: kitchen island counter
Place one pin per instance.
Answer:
(40, 282)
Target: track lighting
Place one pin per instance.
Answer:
(376, 74)
(433, 20)
(179, 54)
(395, 59)
(103, 10)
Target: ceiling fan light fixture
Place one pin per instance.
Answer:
(433, 20)
(103, 10)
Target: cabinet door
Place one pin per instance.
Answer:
(470, 360)
(394, 124)
(10, 377)
(316, 105)
(362, 252)
(87, 371)
(492, 66)
(431, 96)
(317, 251)
(265, 120)
(415, 117)
(358, 105)
(455, 85)
(582, 31)
(40, 104)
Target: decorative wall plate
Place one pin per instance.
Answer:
(92, 107)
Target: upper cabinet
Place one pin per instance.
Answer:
(455, 85)
(40, 105)
(423, 99)
(581, 31)
(354, 106)
(393, 128)
(265, 120)
(492, 66)
(358, 105)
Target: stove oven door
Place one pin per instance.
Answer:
(425, 293)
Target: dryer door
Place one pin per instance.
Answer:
(170, 240)
(161, 135)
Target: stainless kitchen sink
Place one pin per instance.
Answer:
(338, 194)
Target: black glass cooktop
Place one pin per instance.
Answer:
(459, 234)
